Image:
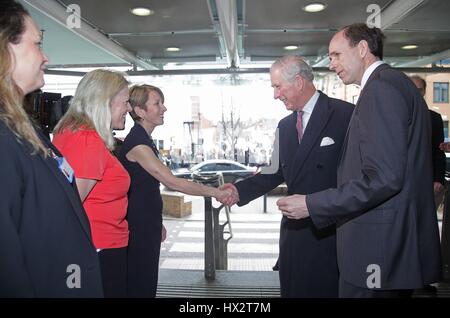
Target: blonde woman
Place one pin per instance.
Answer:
(84, 136)
(45, 240)
(139, 156)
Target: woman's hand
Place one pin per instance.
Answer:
(227, 194)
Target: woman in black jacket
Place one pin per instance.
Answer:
(45, 239)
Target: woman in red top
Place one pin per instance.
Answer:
(84, 136)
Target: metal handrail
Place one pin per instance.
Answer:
(212, 180)
(216, 256)
(445, 234)
(227, 211)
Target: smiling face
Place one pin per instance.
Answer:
(285, 91)
(345, 60)
(120, 106)
(28, 59)
(154, 114)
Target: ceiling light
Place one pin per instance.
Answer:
(314, 7)
(142, 12)
(173, 49)
(409, 47)
(290, 47)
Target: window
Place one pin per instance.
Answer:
(224, 167)
(208, 167)
(440, 92)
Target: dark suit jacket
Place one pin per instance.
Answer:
(307, 263)
(43, 228)
(438, 156)
(383, 205)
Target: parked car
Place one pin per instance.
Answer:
(232, 171)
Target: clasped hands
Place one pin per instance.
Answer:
(227, 194)
(293, 206)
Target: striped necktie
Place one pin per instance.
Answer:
(299, 125)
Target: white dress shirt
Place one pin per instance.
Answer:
(369, 72)
(308, 109)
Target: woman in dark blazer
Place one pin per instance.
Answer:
(45, 240)
(139, 156)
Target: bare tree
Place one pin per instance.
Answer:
(232, 129)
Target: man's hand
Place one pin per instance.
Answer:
(438, 187)
(445, 146)
(293, 206)
(229, 194)
(163, 233)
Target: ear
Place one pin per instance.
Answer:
(299, 81)
(139, 111)
(363, 48)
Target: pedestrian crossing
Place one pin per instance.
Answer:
(254, 246)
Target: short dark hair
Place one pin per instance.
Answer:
(373, 36)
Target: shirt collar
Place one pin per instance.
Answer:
(309, 106)
(369, 72)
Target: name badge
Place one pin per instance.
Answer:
(65, 168)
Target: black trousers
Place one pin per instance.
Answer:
(113, 264)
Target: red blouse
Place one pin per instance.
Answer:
(106, 205)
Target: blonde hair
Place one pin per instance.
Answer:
(139, 97)
(91, 105)
(12, 113)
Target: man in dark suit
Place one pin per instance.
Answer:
(310, 141)
(383, 207)
(437, 137)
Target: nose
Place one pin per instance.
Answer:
(164, 108)
(129, 108)
(332, 65)
(45, 58)
(276, 93)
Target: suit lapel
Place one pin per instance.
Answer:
(316, 124)
(69, 190)
(344, 144)
(361, 96)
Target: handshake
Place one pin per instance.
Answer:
(292, 206)
(227, 194)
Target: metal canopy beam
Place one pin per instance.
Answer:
(428, 60)
(240, 71)
(228, 22)
(397, 11)
(57, 12)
